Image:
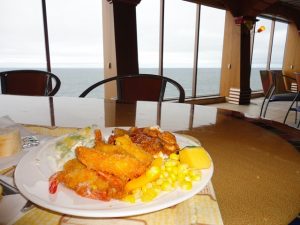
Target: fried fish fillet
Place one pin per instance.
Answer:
(124, 160)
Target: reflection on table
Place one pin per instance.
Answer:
(80, 112)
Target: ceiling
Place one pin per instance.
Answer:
(288, 10)
(292, 3)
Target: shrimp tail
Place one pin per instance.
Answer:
(53, 183)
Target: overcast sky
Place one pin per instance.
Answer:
(75, 34)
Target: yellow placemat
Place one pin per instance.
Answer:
(201, 209)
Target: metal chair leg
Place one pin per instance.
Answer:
(296, 115)
(265, 112)
(286, 115)
(289, 112)
(262, 106)
(267, 98)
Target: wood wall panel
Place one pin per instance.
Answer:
(230, 77)
(292, 51)
(109, 48)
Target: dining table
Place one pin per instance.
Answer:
(256, 162)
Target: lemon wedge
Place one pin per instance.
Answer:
(195, 156)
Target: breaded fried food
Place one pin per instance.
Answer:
(124, 160)
(102, 171)
(151, 139)
(133, 149)
(87, 183)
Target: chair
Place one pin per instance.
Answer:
(143, 87)
(29, 82)
(294, 105)
(277, 90)
(265, 80)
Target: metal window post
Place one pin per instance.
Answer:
(161, 37)
(270, 44)
(46, 35)
(196, 49)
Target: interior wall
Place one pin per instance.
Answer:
(109, 49)
(291, 62)
(230, 73)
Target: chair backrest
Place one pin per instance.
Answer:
(273, 79)
(29, 82)
(266, 80)
(143, 87)
(277, 80)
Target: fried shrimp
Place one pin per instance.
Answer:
(87, 183)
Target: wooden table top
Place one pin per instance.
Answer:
(257, 170)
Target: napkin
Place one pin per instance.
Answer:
(6, 162)
(6, 121)
(10, 205)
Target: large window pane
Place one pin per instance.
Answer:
(22, 36)
(260, 53)
(212, 22)
(75, 38)
(180, 17)
(148, 13)
(279, 39)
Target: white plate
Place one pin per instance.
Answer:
(33, 171)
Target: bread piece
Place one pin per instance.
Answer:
(10, 141)
(1, 191)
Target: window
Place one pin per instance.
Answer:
(279, 39)
(22, 35)
(148, 35)
(260, 53)
(75, 40)
(179, 44)
(179, 38)
(262, 50)
(212, 22)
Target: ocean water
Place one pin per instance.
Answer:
(75, 80)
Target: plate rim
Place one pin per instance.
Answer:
(109, 213)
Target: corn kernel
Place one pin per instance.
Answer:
(157, 189)
(137, 193)
(159, 181)
(174, 156)
(188, 178)
(169, 169)
(170, 163)
(183, 168)
(195, 175)
(149, 185)
(165, 174)
(166, 186)
(153, 171)
(129, 198)
(173, 177)
(148, 196)
(186, 185)
(144, 189)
